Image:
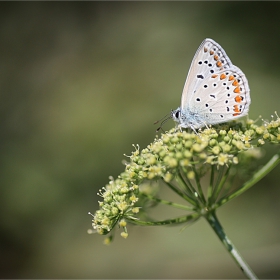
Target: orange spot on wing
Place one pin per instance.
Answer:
(230, 78)
(205, 49)
(216, 57)
(236, 109)
(237, 90)
(214, 76)
(211, 52)
(236, 114)
(219, 63)
(238, 98)
(223, 76)
(235, 83)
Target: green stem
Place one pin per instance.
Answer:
(184, 219)
(211, 184)
(190, 190)
(179, 192)
(216, 226)
(274, 161)
(222, 179)
(166, 202)
(199, 188)
(186, 197)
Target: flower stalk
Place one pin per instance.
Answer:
(216, 226)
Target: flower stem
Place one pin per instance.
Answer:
(216, 226)
(166, 202)
(180, 220)
(222, 177)
(274, 161)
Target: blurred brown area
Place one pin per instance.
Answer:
(80, 82)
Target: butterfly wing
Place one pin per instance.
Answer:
(221, 97)
(208, 59)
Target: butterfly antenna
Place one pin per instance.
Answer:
(161, 119)
(164, 120)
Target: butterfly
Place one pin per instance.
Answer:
(215, 91)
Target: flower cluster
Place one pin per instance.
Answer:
(271, 130)
(174, 151)
(118, 202)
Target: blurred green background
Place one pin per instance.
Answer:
(79, 84)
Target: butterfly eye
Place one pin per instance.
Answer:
(177, 114)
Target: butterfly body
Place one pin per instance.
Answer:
(215, 90)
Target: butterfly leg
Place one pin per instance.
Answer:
(179, 127)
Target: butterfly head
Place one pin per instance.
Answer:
(175, 114)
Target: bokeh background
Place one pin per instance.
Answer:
(79, 84)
